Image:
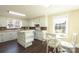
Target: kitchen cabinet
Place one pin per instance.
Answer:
(42, 21)
(3, 22)
(34, 21)
(0, 37)
(25, 23)
(37, 21)
(40, 35)
(8, 35)
(25, 38)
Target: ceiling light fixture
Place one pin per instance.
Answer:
(16, 13)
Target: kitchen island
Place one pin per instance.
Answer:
(25, 37)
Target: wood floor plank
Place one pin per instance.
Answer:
(14, 47)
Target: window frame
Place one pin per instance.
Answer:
(14, 24)
(60, 16)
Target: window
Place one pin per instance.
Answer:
(14, 24)
(61, 24)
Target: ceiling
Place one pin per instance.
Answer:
(32, 11)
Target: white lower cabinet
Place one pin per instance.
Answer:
(8, 35)
(25, 38)
(40, 35)
(0, 37)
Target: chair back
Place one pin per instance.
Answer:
(52, 41)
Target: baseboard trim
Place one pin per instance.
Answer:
(8, 41)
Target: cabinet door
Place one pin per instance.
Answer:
(43, 22)
(0, 37)
(32, 22)
(5, 36)
(37, 21)
(24, 23)
(12, 35)
(3, 22)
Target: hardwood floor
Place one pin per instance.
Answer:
(14, 47)
(10, 47)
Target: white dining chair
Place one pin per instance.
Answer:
(68, 47)
(74, 42)
(52, 42)
(61, 38)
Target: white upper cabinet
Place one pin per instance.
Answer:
(3, 22)
(34, 21)
(42, 21)
(37, 21)
(31, 23)
(14, 23)
(25, 23)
